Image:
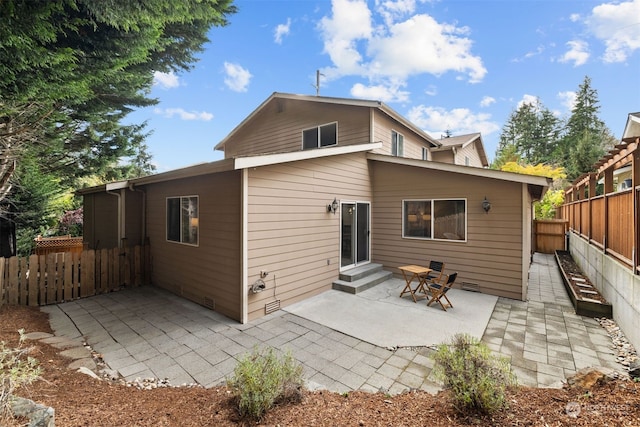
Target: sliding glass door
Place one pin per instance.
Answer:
(354, 242)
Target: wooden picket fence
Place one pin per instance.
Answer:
(58, 277)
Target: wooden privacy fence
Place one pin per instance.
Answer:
(550, 235)
(607, 222)
(57, 277)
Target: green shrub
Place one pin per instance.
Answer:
(477, 379)
(17, 369)
(262, 378)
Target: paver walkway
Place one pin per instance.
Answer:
(148, 332)
(544, 338)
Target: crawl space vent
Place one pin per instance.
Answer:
(209, 303)
(473, 287)
(270, 307)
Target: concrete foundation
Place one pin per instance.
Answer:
(615, 281)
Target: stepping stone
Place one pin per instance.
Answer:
(584, 291)
(37, 335)
(584, 285)
(578, 279)
(591, 300)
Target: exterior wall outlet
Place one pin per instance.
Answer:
(263, 274)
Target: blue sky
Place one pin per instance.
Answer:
(457, 65)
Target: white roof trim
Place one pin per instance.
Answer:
(272, 159)
(465, 170)
(118, 185)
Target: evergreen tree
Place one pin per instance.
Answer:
(70, 72)
(586, 137)
(530, 134)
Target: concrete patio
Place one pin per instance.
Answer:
(371, 341)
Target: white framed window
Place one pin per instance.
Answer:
(425, 153)
(320, 136)
(467, 161)
(397, 144)
(437, 219)
(182, 220)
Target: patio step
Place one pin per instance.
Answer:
(359, 272)
(361, 281)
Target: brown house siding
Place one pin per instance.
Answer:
(212, 269)
(133, 218)
(443, 156)
(278, 127)
(471, 152)
(492, 255)
(290, 233)
(383, 126)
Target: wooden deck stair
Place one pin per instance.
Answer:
(361, 278)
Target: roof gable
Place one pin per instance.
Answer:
(272, 102)
(463, 141)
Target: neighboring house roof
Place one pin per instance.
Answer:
(632, 128)
(330, 100)
(462, 141)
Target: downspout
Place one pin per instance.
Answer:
(110, 189)
(527, 220)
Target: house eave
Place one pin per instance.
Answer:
(464, 170)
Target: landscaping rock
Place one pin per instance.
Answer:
(634, 369)
(586, 378)
(38, 415)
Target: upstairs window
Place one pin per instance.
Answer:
(425, 153)
(397, 144)
(182, 219)
(320, 136)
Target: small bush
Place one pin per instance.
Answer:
(477, 379)
(17, 369)
(262, 379)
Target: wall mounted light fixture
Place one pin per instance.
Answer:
(333, 207)
(486, 205)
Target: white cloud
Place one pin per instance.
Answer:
(183, 114)
(238, 78)
(422, 45)
(394, 49)
(578, 53)
(528, 99)
(574, 17)
(350, 22)
(165, 80)
(530, 54)
(487, 100)
(618, 26)
(431, 90)
(391, 10)
(435, 121)
(281, 31)
(567, 99)
(380, 92)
